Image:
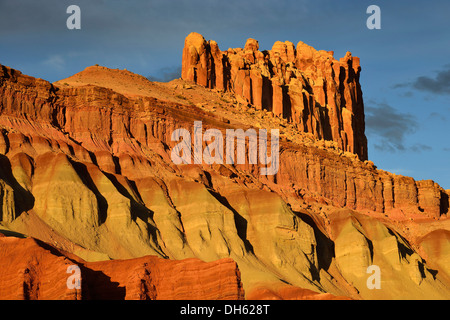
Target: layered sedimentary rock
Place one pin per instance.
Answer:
(310, 88)
(32, 270)
(343, 182)
(86, 167)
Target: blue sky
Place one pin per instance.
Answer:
(405, 65)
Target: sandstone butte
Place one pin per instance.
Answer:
(86, 179)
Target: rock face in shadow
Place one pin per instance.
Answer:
(310, 88)
(86, 168)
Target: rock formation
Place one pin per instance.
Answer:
(33, 270)
(310, 88)
(86, 170)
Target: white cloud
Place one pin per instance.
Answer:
(56, 62)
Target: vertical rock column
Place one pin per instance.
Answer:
(301, 84)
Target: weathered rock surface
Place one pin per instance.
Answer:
(361, 242)
(32, 270)
(310, 88)
(85, 166)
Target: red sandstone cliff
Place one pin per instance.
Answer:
(310, 88)
(33, 270)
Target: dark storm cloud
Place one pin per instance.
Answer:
(155, 17)
(46, 19)
(439, 84)
(166, 74)
(143, 35)
(17, 17)
(419, 147)
(391, 126)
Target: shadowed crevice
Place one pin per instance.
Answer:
(325, 246)
(96, 285)
(23, 199)
(240, 221)
(86, 178)
(444, 203)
